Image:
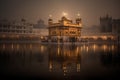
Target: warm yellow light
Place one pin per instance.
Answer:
(50, 66)
(50, 16)
(42, 48)
(104, 37)
(87, 48)
(105, 47)
(17, 46)
(78, 14)
(78, 67)
(64, 14)
(41, 37)
(94, 47)
(95, 37)
(12, 46)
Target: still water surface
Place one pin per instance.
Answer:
(59, 62)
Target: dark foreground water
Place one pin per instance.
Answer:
(59, 62)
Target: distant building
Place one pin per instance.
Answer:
(106, 24)
(15, 30)
(40, 24)
(109, 25)
(65, 30)
(40, 28)
(116, 26)
(15, 27)
(18, 30)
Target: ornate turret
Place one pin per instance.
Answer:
(50, 20)
(78, 19)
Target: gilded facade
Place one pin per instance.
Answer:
(65, 30)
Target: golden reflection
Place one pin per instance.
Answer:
(104, 47)
(58, 51)
(42, 48)
(94, 47)
(50, 66)
(64, 69)
(77, 50)
(12, 46)
(67, 58)
(81, 48)
(3, 46)
(78, 67)
(30, 46)
(18, 46)
(113, 47)
(84, 46)
(87, 49)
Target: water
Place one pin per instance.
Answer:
(59, 62)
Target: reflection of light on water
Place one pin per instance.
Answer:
(94, 47)
(50, 66)
(113, 47)
(81, 48)
(12, 46)
(69, 54)
(41, 48)
(87, 49)
(84, 46)
(104, 47)
(30, 46)
(3, 46)
(109, 48)
(64, 70)
(17, 46)
(58, 50)
(78, 67)
(77, 50)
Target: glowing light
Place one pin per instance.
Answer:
(42, 48)
(87, 49)
(105, 47)
(78, 14)
(77, 51)
(58, 50)
(94, 37)
(78, 67)
(17, 46)
(41, 37)
(50, 16)
(3, 46)
(113, 47)
(30, 46)
(12, 46)
(104, 37)
(64, 14)
(94, 47)
(50, 66)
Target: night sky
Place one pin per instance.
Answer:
(32, 10)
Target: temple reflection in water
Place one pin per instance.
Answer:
(57, 61)
(64, 58)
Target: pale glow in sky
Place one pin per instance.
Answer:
(65, 14)
(33, 10)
